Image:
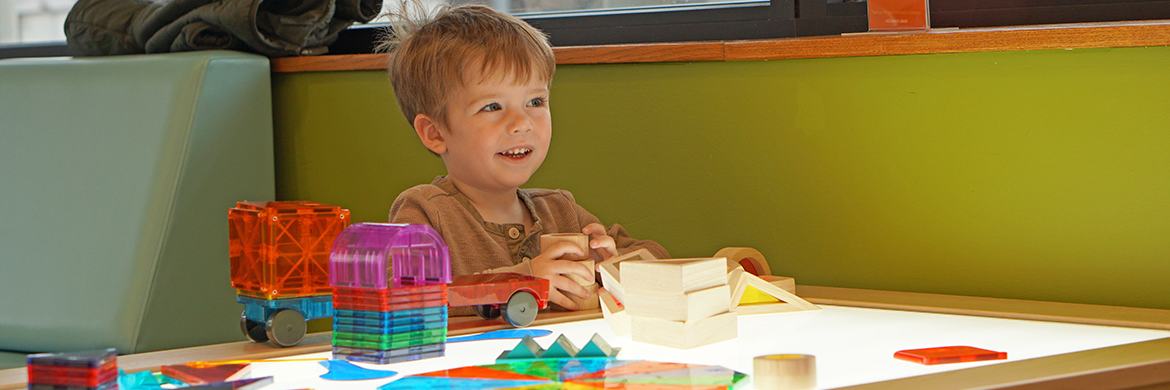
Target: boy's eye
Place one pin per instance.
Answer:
(537, 102)
(491, 107)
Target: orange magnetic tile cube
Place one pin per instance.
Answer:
(281, 249)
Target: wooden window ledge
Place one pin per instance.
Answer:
(1040, 37)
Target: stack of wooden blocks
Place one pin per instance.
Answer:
(678, 303)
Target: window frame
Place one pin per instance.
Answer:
(777, 19)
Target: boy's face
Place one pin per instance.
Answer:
(497, 132)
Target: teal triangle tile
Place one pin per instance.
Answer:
(526, 349)
(597, 347)
(443, 383)
(560, 349)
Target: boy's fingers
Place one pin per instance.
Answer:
(574, 289)
(605, 246)
(594, 229)
(581, 270)
(556, 297)
(560, 249)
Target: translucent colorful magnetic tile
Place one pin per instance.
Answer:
(577, 374)
(365, 253)
(281, 249)
(943, 355)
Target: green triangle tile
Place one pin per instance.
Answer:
(482, 372)
(560, 349)
(529, 367)
(597, 347)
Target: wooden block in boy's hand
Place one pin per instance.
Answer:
(591, 302)
(581, 241)
(679, 276)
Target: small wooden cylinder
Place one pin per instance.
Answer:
(785, 372)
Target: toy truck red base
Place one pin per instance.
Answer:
(515, 296)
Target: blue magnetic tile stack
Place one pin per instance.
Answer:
(389, 325)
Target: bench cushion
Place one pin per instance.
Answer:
(117, 174)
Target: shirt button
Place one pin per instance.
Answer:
(526, 259)
(514, 233)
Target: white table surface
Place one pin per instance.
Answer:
(852, 345)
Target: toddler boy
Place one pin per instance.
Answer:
(474, 84)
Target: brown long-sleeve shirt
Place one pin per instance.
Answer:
(478, 246)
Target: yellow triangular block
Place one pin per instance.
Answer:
(754, 295)
(787, 302)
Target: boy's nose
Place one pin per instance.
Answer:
(519, 123)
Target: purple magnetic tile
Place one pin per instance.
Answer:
(364, 254)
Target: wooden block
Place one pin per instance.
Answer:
(738, 285)
(753, 295)
(610, 280)
(786, 302)
(751, 260)
(614, 313)
(767, 308)
(679, 307)
(611, 275)
(784, 372)
(784, 282)
(586, 303)
(580, 239)
(641, 254)
(679, 276)
(779, 293)
(588, 263)
(684, 335)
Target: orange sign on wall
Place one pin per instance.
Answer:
(898, 15)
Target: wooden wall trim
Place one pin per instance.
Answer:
(1077, 313)
(1041, 37)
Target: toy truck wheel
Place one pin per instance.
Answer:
(521, 309)
(252, 329)
(286, 328)
(487, 312)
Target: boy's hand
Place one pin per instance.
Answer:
(548, 266)
(602, 244)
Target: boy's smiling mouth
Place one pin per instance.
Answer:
(516, 153)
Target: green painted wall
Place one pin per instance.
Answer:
(1038, 175)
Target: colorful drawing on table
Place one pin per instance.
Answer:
(576, 374)
(341, 370)
(502, 335)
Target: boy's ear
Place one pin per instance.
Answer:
(428, 133)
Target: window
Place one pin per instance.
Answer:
(599, 22)
(32, 21)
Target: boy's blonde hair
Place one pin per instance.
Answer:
(427, 58)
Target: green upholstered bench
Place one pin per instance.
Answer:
(116, 175)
